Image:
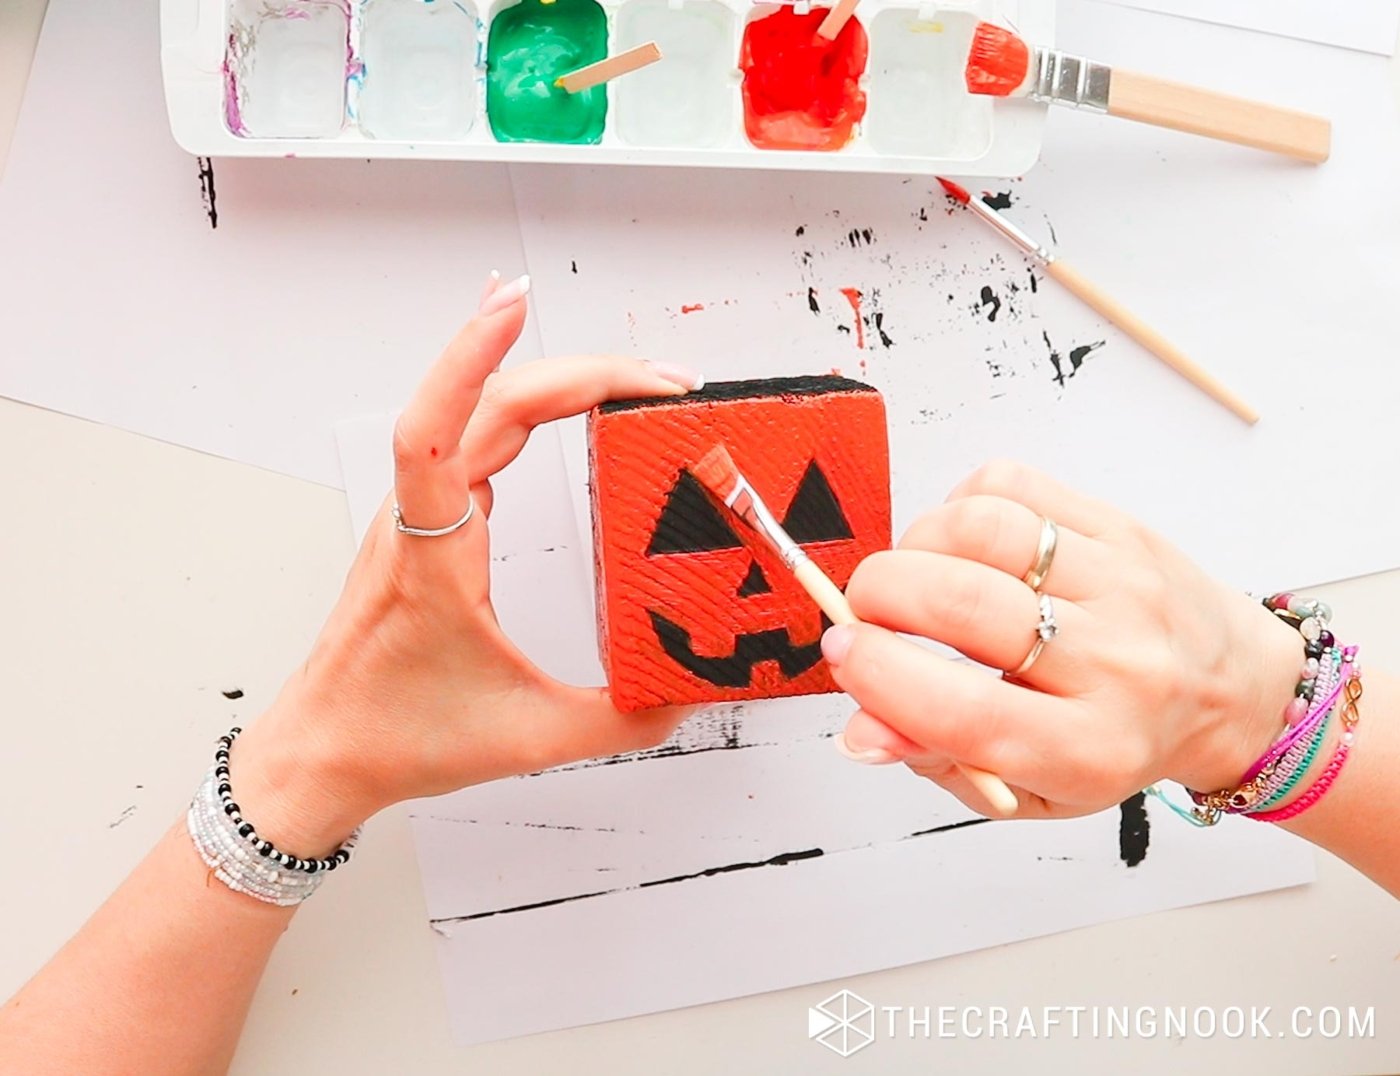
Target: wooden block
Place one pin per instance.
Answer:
(690, 610)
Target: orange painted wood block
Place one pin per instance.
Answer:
(690, 609)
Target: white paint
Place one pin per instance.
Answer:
(919, 104)
(420, 80)
(688, 98)
(290, 67)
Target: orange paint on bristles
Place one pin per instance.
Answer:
(717, 473)
(998, 62)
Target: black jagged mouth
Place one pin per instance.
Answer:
(736, 670)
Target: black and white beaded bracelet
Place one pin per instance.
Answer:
(237, 856)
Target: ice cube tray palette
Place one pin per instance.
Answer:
(740, 85)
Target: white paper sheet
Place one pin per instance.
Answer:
(1365, 25)
(325, 291)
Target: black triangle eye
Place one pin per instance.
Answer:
(691, 521)
(814, 515)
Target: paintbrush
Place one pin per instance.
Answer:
(1108, 307)
(1001, 64)
(717, 472)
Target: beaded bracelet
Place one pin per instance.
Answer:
(237, 856)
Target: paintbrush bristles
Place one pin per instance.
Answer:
(718, 474)
(998, 62)
(955, 192)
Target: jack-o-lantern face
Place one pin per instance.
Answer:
(692, 610)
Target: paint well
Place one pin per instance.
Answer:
(688, 98)
(531, 44)
(419, 76)
(286, 68)
(800, 90)
(919, 104)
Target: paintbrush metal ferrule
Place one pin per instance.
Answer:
(1064, 79)
(1011, 231)
(745, 503)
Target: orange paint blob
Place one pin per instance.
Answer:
(998, 61)
(853, 297)
(691, 308)
(802, 91)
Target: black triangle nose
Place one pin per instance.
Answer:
(754, 583)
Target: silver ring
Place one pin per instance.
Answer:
(433, 532)
(1044, 554)
(1045, 630)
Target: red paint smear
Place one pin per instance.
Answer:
(853, 297)
(800, 90)
(692, 307)
(433, 451)
(998, 61)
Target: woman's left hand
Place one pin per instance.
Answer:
(412, 688)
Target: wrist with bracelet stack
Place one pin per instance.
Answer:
(1329, 688)
(234, 852)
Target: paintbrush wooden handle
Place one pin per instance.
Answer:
(838, 609)
(1219, 115)
(1150, 338)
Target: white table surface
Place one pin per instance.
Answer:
(140, 580)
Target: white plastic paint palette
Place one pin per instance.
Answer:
(434, 79)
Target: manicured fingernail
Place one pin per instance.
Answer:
(836, 643)
(493, 281)
(678, 375)
(505, 296)
(868, 756)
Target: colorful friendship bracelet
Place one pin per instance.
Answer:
(1330, 673)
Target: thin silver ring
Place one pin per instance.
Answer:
(1045, 630)
(1044, 554)
(433, 532)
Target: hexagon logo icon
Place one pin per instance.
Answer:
(843, 1023)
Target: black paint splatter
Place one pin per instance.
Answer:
(877, 322)
(801, 231)
(126, 813)
(990, 303)
(997, 201)
(573, 267)
(206, 190)
(236, 693)
(1133, 829)
(1035, 281)
(812, 303)
(857, 236)
(1076, 358)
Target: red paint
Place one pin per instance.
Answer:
(692, 307)
(853, 297)
(998, 61)
(802, 91)
(433, 452)
(955, 192)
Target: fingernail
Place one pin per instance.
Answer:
(493, 281)
(868, 756)
(678, 375)
(836, 643)
(505, 296)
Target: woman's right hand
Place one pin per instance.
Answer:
(1157, 671)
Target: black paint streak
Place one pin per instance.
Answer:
(1053, 237)
(857, 236)
(1035, 281)
(878, 324)
(573, 267)
(236, 693)
(990, 303)
(812, 303)
(1133, 829)
(780, 860)
(206, 190)
(1076, 358)
(843, 328)
(945, 829)
(997, 201)
(122, 817)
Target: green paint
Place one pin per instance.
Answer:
(530, 45)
